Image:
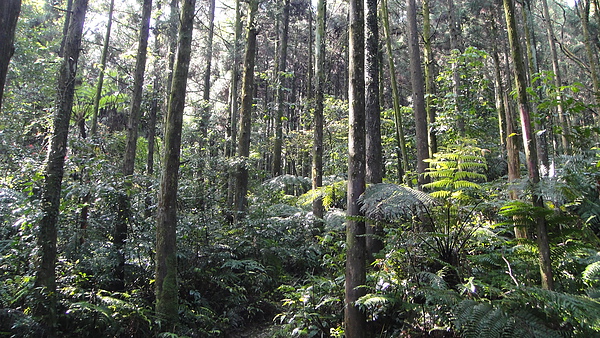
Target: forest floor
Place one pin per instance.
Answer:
(262, 330)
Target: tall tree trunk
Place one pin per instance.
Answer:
(173, 31)
(540, 129)
(562, 118)
(418, 96)
(66, 23)
(233, 114)
(100, 83)
(280, 69)
(373, 156)
(245, 124)
(123, 202)
(456, 48)
(317, 160)
(207, 74)
(429, 78)
(166, 225)
(529, 143)
(9, 14)
(354, 318)
(402, 174)
(53, 173)
(584, 12)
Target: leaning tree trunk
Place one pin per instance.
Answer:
(529, 143)
(317, 160)
(416, 76)
(245, 124)
(280, 69)
(53, 173)
(102, 69)
(166, 225)
(9, 14)
(123, 202)
(354, 318)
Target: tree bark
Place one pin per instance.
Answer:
(455, 46)
(123, 201)
(103, 58)
(416, 76)
(374, 151)
(562, 119)
(429, 78)
(280, 69)
(9, 14)
(529, 143)
(166, 226)
(54, 170)
(207, 74)
(584, 12)
(403, 168)
(245, 123)
(355, 320)
(233, 114)
(317, 160)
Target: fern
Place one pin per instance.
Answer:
(591, 274)
(390, 202)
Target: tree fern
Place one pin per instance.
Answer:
(390, 202)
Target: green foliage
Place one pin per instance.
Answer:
(455, 171)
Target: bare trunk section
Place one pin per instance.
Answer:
(562, 119)
(9, 14)
(429, 78)
(166, 225)
(124, 203)
(403, 173)
(374, 151)
(245, 123)
(317, 160)
(233, 114)
(354, 318)
(280, 69)
(529, 143)
(102, 69)
(418, 86)
(53, 173)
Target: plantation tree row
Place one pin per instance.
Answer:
(299, 168)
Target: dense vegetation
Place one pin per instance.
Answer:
(461, 241)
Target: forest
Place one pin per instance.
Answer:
(300, 168)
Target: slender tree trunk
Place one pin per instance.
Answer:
(136, 99)
(540, 129)
(124, 203)
(103, 58)
(53, 173)
(9, 14)
(354, 318)
(418, 96)
(455, 46)
(207, 74)
(173, 31)
(584, 10)
(429, 78)
(317, 160)
(245, 124)
(166, 226)
(562, 119)
(396, 96)
(280, 69)
(233, 115)
(66, 23)
(529, 143)
(374, 151)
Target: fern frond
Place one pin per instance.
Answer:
(390, 202)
